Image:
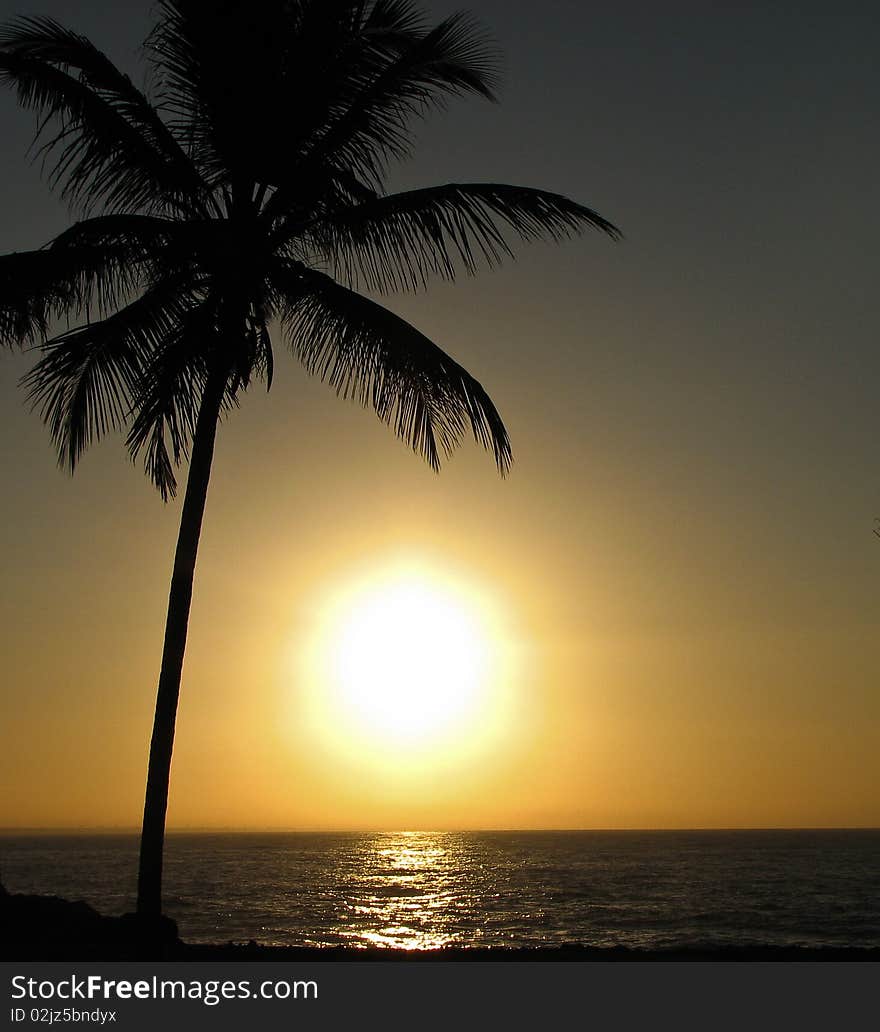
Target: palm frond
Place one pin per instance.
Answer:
(452, 59)
(90, 268)
(373, 356)
(137, 249)
(400, 241)
(134, 237)
(254, 357)
(298, 65)
(396, 22)
(363, 119)
(84, 384)
(34, 286)
(165, 405)
(39, 287)
(112, 146)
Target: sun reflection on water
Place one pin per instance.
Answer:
(405, 895)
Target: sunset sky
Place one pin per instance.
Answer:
(675, 596)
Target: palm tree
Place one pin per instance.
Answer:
(239, 200)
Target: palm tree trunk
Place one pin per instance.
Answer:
(149, 901)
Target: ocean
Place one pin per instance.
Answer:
(421, 890)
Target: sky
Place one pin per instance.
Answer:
(677, 586)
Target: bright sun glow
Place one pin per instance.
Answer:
(406, 668)
(410, 659)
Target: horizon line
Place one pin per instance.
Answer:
(286, 830)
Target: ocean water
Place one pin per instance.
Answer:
(426, 890)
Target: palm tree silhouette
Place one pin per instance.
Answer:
(242, 198)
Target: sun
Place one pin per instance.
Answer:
(410, 659)
(407, 667)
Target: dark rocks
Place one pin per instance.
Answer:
(50, 928)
